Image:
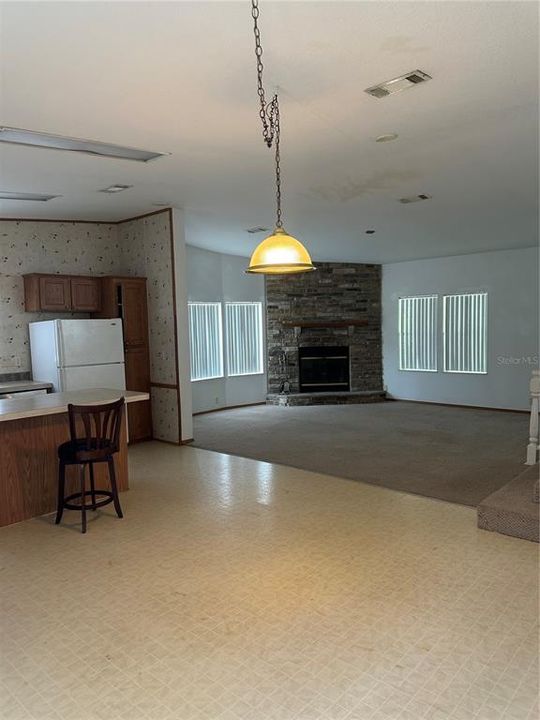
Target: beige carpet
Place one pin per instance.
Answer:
(512, 510)
(456, 454)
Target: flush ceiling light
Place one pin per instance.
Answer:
(37, 197)
(18, 136)
(386, 138)
(116, 188)
(280, 253)
(403, 82)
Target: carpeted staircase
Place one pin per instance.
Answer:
(514, 509)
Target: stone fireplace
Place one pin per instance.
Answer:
(323, 369)
(324, 335)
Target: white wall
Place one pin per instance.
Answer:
(214, 277)
(510, 277)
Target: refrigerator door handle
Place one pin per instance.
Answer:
(59, 343)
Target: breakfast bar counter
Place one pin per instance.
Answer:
(31, 429)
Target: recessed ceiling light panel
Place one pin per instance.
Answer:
(414, 198)
(18, 136)
(116, 188)
(36, 197)
(403, 82)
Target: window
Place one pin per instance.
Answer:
(465, 333)
(418, 333)
(206, 340)
(244, 338)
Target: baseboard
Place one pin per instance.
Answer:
(228, 407)
(173, 442)
(457, 405)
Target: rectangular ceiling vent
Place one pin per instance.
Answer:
(414, 198)
(415, 77)
(256, 229)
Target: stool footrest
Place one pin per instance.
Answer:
(109, 498)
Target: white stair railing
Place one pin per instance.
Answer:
(532, 447)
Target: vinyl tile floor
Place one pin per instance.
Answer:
(235, 589)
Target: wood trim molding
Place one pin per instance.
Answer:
(228, 407)
(457, 405)
(56, 220)
(144, 215)
(91, 222)
(175, 325)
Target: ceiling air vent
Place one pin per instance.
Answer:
(256, 229)
(414, 198)
(415, 77)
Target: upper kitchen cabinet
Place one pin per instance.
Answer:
(86, 294)
(61, 293)
(125, 297)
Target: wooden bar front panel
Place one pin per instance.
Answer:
(29, 466)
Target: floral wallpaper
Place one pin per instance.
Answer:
(165, 414)
(50, 247)
(140, 247)
(146, 252)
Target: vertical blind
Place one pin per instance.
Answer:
(418, 333)
(465, 333)
(206, 340)
(244, 338)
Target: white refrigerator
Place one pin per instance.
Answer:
(78, 354)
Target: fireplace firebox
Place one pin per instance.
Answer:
(324, 369)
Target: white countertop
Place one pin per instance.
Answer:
(54, 403)
(15, 386)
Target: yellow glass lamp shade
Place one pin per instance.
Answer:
(280, 254)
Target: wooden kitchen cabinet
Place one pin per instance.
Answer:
(134, 313)
(85, 294)
(105, 297)
(61, 293)
(137, 364)
(125, 297)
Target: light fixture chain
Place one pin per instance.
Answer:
(268, 112)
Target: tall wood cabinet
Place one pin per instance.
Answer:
(125, 298)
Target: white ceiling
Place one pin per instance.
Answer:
(180, 77)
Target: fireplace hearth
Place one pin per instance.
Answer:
(323, 369)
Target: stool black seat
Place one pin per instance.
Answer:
(98, 443)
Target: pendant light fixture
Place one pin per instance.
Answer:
(280, 253)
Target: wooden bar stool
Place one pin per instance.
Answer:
(100, 442)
